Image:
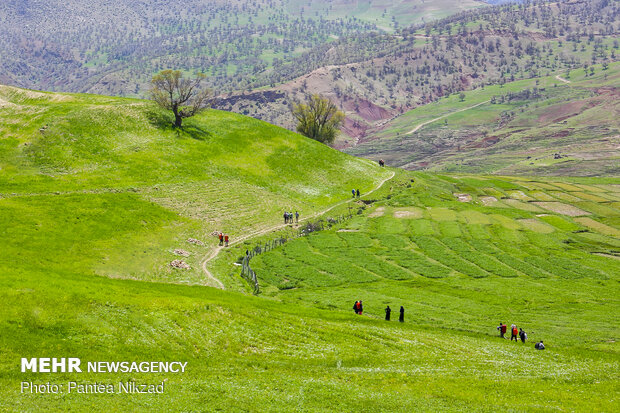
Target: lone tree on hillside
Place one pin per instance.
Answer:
(184, 97)
(319, 119)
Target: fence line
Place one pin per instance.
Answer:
(248, 273)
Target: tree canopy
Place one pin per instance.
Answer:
(319, 119)
(183, 96)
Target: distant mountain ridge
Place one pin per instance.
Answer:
(114, 46)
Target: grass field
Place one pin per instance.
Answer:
(96, 193)
(112, 173)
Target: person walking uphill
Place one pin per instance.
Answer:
(514, 333)
(388, 312)
(401, 317)
(502, 330)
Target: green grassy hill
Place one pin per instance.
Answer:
(515, 128)
(105, 186)
(96, 190)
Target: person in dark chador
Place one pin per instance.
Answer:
(522, 335)
(401, 317)
(388, 312)
(358, 193)
(361, 308)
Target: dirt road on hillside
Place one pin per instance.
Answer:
(414, 130)
(214, 252)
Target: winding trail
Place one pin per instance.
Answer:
(414, 130)
(561, 79)
(215, 251)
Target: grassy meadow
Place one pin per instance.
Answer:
(96, 193)
(100, 185)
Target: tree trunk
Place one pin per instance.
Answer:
(178, 120)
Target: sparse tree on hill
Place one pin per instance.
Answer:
(183, 96)
(319, 119)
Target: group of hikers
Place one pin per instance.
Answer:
(355, 192)
(223, 239)
(358, 307)
(288, 217)
(517, 334)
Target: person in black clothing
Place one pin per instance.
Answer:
(286, 217)
(388, 312)
(539, 345)
(358, 193)
(401, 317)
(361, 308)
(522, 335)
(356, 307)
(296, 216)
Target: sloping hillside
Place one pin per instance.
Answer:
(107, 186)
(113, 46)
(376, 78)
(543, 126)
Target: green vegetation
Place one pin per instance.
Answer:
(539, 126)
(318, 119)
(117, 175)
(98, 192)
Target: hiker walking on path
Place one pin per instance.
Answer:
(401, 317)
(296, 216)
(221, 237)
(522, 335)
(514, 333)
(356, 307)
(502, 329)
(358, 193)
(226, 239)
(286, 217)
(388, 312)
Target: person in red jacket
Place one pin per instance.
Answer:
(221, 237)
(226, 239)
(514, 333)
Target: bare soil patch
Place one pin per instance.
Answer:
(463, 197)
(560, 208)
(377, 212)
(408, 213)
(488, 200)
